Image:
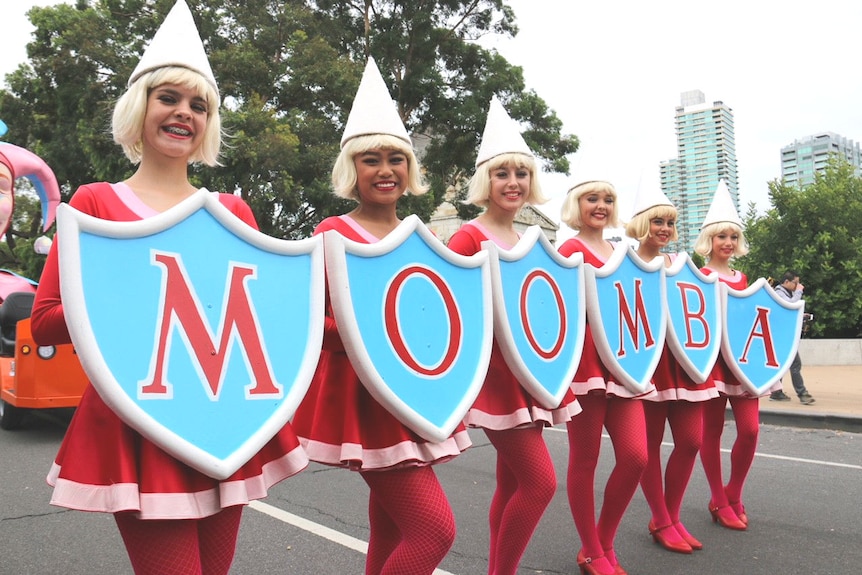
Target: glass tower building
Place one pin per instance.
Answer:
(706, 153)
(803, 158)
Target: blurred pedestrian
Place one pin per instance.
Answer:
(790, 289)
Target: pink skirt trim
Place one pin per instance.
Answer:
(523, 417)
(405, 454)
(684, 394)
(127, 496)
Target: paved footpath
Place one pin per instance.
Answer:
(837, 390)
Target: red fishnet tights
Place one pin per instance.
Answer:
(526, 483)
(412, 526)
(624, 420)
(746, 414)
(181, 546)
(665, 496)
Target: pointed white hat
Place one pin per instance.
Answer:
(502, 135)
(722, 208)
(649, 194)
(176, 43)
(373, 110)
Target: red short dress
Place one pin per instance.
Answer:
(105, 465)
(592, 375)
(503, 403)
(672, 382)
(339, 423)
(725, 381)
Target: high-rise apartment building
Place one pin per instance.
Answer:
(706, 153)
(803, 158)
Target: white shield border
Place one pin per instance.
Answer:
(71, 222)
(337, 248)
(673, 340)
(621, 251)
(502, 325)
(727, 351)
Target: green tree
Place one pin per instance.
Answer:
(816, 231)
(443, 79)
(287, 72)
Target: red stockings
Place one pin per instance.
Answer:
(624, 420)
(526, 483)
(412, 525)
(181, 546)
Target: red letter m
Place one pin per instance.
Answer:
(181, 310)
(633, 322)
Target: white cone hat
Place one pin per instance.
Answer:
(176, 43)
(373, 110)
(649, 194)
(722, 208)
(502, 135)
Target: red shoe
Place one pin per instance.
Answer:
(594, 565)
(739, 509)
(611, 556)
(726, 517)
(688, 537)
(668, 538)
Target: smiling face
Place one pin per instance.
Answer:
(381, 175)
(661, 231)
(175, 121)
(724, 245)
(596, 209)
(509, 188)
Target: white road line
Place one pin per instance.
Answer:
(801, 460)
(317, 529)
(758, 454)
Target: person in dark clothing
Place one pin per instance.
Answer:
(790, 289)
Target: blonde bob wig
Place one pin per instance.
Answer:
(479, 190)
(571, 210)
(703, 245)
(130, 110)
(344, 177)
(638, 227)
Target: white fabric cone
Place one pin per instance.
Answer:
(649, 194)
(502, 135)
(722, 208)
(176, 43)
(373, 110)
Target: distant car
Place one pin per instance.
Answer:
(33, 376)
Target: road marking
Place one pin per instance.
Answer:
(758, 454)
(318, 529)
(801, 460)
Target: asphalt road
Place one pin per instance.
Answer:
(803, 499)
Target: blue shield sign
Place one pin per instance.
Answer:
(694, 317)
(539, 314)
(761, 334)
(197, 330)
(626, 310)
(416, 322)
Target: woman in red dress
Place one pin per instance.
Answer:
(172, 518)
(678, 400)
(504, 181)
(720, 240)
(339, 423)
(590, 208)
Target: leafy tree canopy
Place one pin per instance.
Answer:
(817, 232)
(287, 72)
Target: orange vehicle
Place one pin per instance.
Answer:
(33, 376)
